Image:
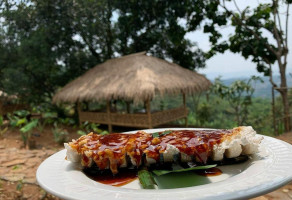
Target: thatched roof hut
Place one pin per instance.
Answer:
(137, 78)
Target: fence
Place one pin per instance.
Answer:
(278, 117)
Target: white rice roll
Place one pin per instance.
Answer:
(150, 161)
(72, 154)
(250, 140)
(185, 158)
(234, 149)
(169, 153)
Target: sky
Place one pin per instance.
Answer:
(230, 65)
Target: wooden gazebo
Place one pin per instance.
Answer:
(8, 105)
(133, 78)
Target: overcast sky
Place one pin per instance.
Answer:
(230, 65)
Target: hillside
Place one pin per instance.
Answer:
(262, 89)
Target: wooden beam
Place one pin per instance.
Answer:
(79, 111)
(185, 108)
(108, 111)
(149, 113)
(1, 108)
(184, 99)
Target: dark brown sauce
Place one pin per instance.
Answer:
(122, 178)
(127, 176)
(191, 142)
(210, 172)
(111, 149)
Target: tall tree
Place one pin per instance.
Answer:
(251, 40)
(158, 27)
(239, 96)
(39, 49)
(47, 43)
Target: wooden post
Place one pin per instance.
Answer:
(276, 131)
(79, 112)
(149, 113)
(108, 111)
(185, 108)
(128, 106)
(1, 108)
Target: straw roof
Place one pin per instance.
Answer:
(136, 77)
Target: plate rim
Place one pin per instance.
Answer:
(247, 193)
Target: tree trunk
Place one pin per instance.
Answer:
(286, 107)
(284, 94)
(109, 39)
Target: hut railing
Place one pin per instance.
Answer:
(10, 108)
(163, 117)
(134, 120)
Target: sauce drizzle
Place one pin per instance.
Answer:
(111, 151)
(210, 172)
(122, 178)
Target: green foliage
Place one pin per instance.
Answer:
(251, 37)
(19, 186)
(27, 129)
(45, 44)
(29, 126)
(60, 135)
(204, 113)
(222, 115)
(88, 127)
(248, 38)
(238, 94)
(260, 116)
(3, 130)
(18, 118)
(280, 128)
(154, 26)
(15, 167)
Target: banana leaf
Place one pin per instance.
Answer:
(180, 180)
(162, 172)
(29, 126)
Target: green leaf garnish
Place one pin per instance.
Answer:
(156, 134)
(146, 179)
(165, 133)
(162, 172)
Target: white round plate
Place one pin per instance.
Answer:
(264, 172)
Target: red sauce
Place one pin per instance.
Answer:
(210, 172)
(122, 178)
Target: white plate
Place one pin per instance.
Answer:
(266, 171)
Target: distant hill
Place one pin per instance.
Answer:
(264, 89)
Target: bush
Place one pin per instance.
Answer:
(60, 135)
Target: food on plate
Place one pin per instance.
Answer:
(120, 150)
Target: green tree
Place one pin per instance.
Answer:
(46, 43)
(238, 94)
(249, 38)
(157, 27)
(38, 49)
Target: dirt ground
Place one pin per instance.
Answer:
(17, 176)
